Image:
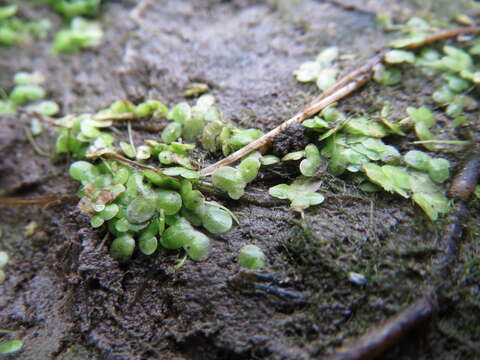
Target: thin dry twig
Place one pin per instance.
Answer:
(116, 117)
(126, 161)
(301, 116)
(44, 200)
(34, 144)
(375, 342)
(442, 35)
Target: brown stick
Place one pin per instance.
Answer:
(126, 161)
(464, 183)
(305, 114)
(44, 200)
(116, 117)
(447, 34)
(375, 342)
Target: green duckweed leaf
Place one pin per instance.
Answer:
(181, 171)
(399, 56)
(127, 149)
(140, 210)
(301, 193)
(316, 123)
(181, 113)
(429, 196)
(22, 94)
(10, 347)
(248, 168)
(26, 78)
(216, 220)
(198, 246)
(367, 127)
(79, 35)
(251, 257)
(147, 244)
(309, 166)
(143, 152)
(326, 78)
(122, 247)
(269, 160)
(391, 178)
(417, 159)
(294, 156)
(386, 75)
(438, 170)
(229, 179)
(172, 132)
(308, 71)
(47, 107)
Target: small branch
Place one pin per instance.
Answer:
(464, 183)
(44, 200)
(34, 144)
(125, 161)
(441, 142)
(301, 116)
(375, 342)
(44, 118)
(116, 117)
(443, 35)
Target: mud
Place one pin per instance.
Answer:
(68, 299)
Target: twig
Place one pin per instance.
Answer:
(305, 114)
(443, 35)
(464, 183)
(130, 136)
(116, 117)
(44, 200)
(125, 161)
(376, 342)
(34, 144)
(44, 118)
(441, 142)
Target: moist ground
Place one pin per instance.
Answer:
(68, 299)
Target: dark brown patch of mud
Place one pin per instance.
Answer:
(68, 299)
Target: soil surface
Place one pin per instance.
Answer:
(68, 299)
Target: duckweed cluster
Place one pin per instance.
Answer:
(322, 71)
(154, 200)
(16, 31)
(74, 8)
(3, 262)
(145, 206)
(29, 93)
(78, 33)
(356, 144)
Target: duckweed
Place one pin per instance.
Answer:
(216, 220)
(10, 347)
(80, 34)
(122, 247)
(251, 257)
(198, 246)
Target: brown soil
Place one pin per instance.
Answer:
(68, 299)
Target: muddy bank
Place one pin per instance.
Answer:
(68, 299)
